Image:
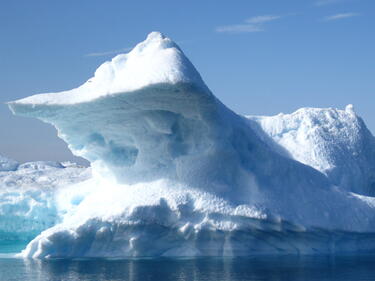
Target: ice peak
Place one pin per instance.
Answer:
(155, 36)
(157, 60)
(155, 42)
(350, 109)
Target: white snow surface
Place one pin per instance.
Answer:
(332, 141)
(175, 172)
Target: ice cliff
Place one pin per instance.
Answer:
(175, 172)
(28, 196)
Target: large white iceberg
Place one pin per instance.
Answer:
(175, 172)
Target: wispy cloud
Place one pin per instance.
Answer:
(239, 28)
(340, 16)
(106, 53)
(254, 24)
(262, 19)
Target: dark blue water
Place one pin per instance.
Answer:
(202, 269)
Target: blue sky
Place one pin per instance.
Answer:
(258, 56)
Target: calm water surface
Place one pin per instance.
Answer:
(202, 269)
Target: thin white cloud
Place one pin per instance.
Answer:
(254, 24)
(239, 28)
(106, 53)
(340, 16)
(262, 19)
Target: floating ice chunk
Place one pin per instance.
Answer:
(7, 164)
(27, 198)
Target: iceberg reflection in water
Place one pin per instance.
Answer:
(202, 269)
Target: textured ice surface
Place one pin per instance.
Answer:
(175, 172)
(335, 142)
(7, 164)
(28, 197)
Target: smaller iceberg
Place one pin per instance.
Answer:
(28, 197)
(7, 164)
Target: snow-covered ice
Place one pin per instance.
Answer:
(335, 142)
(175, 172)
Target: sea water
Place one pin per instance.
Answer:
(202, 269)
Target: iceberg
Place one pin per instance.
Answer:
(28, 197)
(177, 173)
(7, 164)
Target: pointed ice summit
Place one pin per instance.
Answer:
(130, 114)
(178, 173)
(157, 60)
